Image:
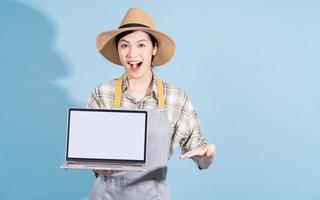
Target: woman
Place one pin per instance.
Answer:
(138, 47)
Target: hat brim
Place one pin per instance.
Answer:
(106, 45)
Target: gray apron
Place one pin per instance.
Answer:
(148, 184)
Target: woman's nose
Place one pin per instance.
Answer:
(132, 52)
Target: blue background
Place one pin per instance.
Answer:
(251, 69)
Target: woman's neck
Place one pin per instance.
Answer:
(139, 88)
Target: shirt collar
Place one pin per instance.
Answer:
(154, 88)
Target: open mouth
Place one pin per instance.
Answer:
(134, 65)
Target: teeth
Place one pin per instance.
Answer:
(133, 62)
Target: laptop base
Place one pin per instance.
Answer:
(103, 166)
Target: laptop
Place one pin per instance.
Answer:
(106, 139)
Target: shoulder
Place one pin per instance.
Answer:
(174, 95)
(104, 89)
(172, 89)
(102, 96)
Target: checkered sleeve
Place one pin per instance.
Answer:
(189, 126)
(102, 96)
(93, 101)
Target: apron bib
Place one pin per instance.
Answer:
(148, 184)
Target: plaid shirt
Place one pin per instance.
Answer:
(184, 123)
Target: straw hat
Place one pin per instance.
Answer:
(136, 19)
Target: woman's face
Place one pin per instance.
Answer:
(135, 52)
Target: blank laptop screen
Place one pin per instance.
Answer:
(106, 134)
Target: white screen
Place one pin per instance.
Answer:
(106, 135)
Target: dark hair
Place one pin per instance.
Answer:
(123, 34)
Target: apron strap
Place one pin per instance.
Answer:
(118, 93)
(160, 94)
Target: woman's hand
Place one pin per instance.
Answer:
(205, 156)
(106, 172)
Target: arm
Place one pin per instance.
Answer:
(193, 145)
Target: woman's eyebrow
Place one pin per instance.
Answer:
(142, 40)
(123, 40)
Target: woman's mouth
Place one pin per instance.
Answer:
(135, 65)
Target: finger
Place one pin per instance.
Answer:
(105, 172)
(192, 153)
(187, 154)
(211, 152)
(109, 172)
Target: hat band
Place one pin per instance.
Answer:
(133, 25)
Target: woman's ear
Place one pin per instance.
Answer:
(154, 50)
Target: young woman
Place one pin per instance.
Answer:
(138, 47)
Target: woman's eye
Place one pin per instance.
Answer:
(141, 45)
(123, 45)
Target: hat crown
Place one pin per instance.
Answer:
(137, 16)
